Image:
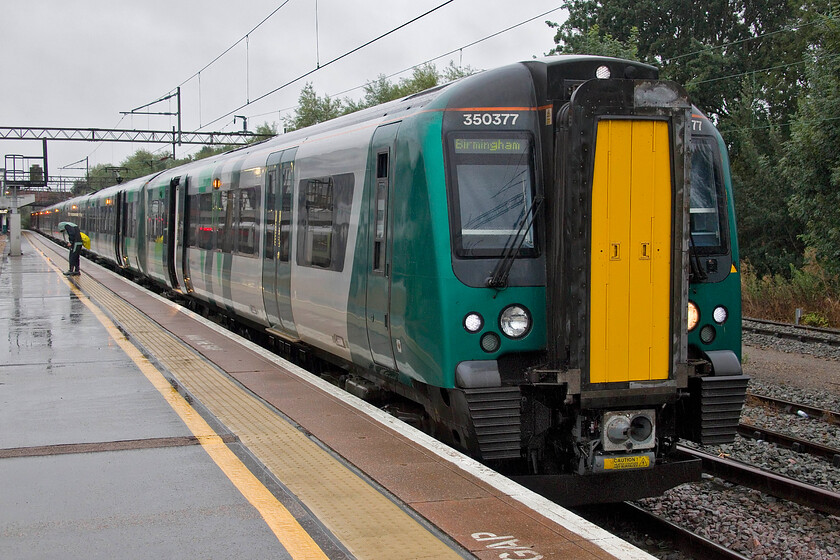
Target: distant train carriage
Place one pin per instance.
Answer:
(542, 256)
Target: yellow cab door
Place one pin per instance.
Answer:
(630, 273)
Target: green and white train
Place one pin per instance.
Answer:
(543, 256)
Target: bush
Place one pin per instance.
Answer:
(776, 298)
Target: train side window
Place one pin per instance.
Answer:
(155, 220)
(194, 213)
(224, 219)
(248, 220)
(324, 221)
(130, 217)
(379, 241)
(270, 213)
(382, 165)
(134, 220)
(204, 223)
(285, 233)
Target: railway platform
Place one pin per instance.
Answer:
(132, 427)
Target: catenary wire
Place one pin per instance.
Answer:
(324, 65)
(521, 23)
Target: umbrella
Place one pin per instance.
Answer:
(61, 225)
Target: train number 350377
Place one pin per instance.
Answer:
(488, 119)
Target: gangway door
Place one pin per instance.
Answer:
(618, 289)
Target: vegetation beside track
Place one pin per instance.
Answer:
(777, 297)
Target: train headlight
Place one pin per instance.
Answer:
(473, 322)
(720, 314)
(693, 315)
(515, 321)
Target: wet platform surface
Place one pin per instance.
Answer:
(64, 382)
(199, 444)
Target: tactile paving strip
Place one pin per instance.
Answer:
(368, 523)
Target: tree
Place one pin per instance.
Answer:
(381, 90)
(593, 42)
(741, 63)
(264, 129)
(422, 78)
(769, 236)
(812, 156)
(313, 109)
(452, 72)
(696, 44)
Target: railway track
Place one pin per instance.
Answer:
(740, 506)
(801, 333)
(790, 442)
(687, 542)
(774, 484)
(793, 408)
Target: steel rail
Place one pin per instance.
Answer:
(777, 485)
(793, 408)
(793, 326)
(809, 335)
(687, 541)
(790, 442)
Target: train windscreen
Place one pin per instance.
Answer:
(492, 191)
(708, 201)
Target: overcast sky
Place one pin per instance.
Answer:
(79, 63)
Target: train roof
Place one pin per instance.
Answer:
(552, 76)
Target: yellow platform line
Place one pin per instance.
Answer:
(282, 523)
(365, 521)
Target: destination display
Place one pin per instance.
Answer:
(490, 146)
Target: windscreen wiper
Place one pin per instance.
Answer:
(696, 271)
(498, 279)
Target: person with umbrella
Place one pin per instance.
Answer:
(74, 237)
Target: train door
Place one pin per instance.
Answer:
(174, 229)
(277, 266)
(181, 216)
(119, 228)
(619, 293)
(380, 174)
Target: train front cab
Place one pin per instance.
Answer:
(606, 401)
(711, 412)
(625, 153)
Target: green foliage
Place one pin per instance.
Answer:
(594, 42)
(452, 72)
(815, 319)
(313, 109)
(812, 156)
(777, 297)
(210, 151)
(769, 237)
(265, 129)
(742, 64)
(692, 42)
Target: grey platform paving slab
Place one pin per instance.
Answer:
(63, 380)
(152, 503)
